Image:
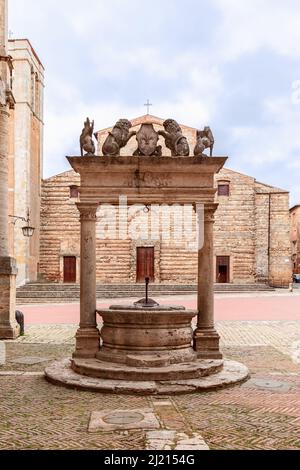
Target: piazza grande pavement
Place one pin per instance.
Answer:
(261, 329)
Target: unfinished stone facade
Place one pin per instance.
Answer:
(25, 156)
(251, 232)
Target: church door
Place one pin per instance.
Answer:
(69, 269)
(144, 264)
(223, 269)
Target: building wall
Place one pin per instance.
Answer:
(26, 134)
(241, 232)
(60, 229)
(295, 238)
(273, 259)
(235, 225)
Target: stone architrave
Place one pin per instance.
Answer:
(87, 336)
(9, 328)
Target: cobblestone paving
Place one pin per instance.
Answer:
(36, 415)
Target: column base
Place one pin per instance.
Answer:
(207, 343)
(87, 343)
(9, 332)
(9, 329)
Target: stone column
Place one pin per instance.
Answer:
(88, 336)
(206, 338)
(8, 326)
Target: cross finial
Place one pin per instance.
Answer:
(148, 104)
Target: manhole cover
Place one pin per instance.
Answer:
(124, 417)
(269, 384)
(112, 420)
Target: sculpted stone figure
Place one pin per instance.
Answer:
(86, 139)
(182, 147)
(174, 139)
(118, 138)
(147, 139)
(205, 140)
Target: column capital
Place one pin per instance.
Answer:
(87, 211)
(209, 212)
(208, 208)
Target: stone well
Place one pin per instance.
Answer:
(139, 349)
(141, 344)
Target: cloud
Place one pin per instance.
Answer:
(226, 63)
(252, 24)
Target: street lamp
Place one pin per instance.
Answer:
(27, 230)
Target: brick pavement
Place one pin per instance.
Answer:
(260, 414)
(282, 335)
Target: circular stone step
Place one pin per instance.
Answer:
(114, 371)
(60, 373)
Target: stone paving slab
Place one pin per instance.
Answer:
(115, 420)
(172, 440)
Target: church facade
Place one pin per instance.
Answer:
(252, 231)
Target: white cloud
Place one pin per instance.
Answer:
(274, 141)
(130, 48)
(252, 24)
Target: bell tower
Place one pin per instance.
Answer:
(8, 326)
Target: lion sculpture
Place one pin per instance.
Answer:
(117, 138)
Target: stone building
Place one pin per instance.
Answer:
(295, 238)
(251, 232)
(25, 156)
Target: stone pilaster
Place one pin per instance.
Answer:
(88, 336)
(8, 326)
(206, 338)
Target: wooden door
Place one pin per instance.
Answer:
(223, 269)
(144, 264)
(69, 269)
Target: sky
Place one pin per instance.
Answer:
(233, 65)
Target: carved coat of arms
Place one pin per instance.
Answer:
(147, 139)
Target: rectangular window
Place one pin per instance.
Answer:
(74, 193)
(223, 190)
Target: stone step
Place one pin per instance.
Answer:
(68, 293)
(113, 371)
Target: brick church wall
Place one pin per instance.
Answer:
(241, 232)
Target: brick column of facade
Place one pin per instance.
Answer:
(88, 336)
(206, 338)
(8, 326)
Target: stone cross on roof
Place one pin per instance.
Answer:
(148, 104)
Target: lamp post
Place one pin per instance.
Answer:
(27, 230)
